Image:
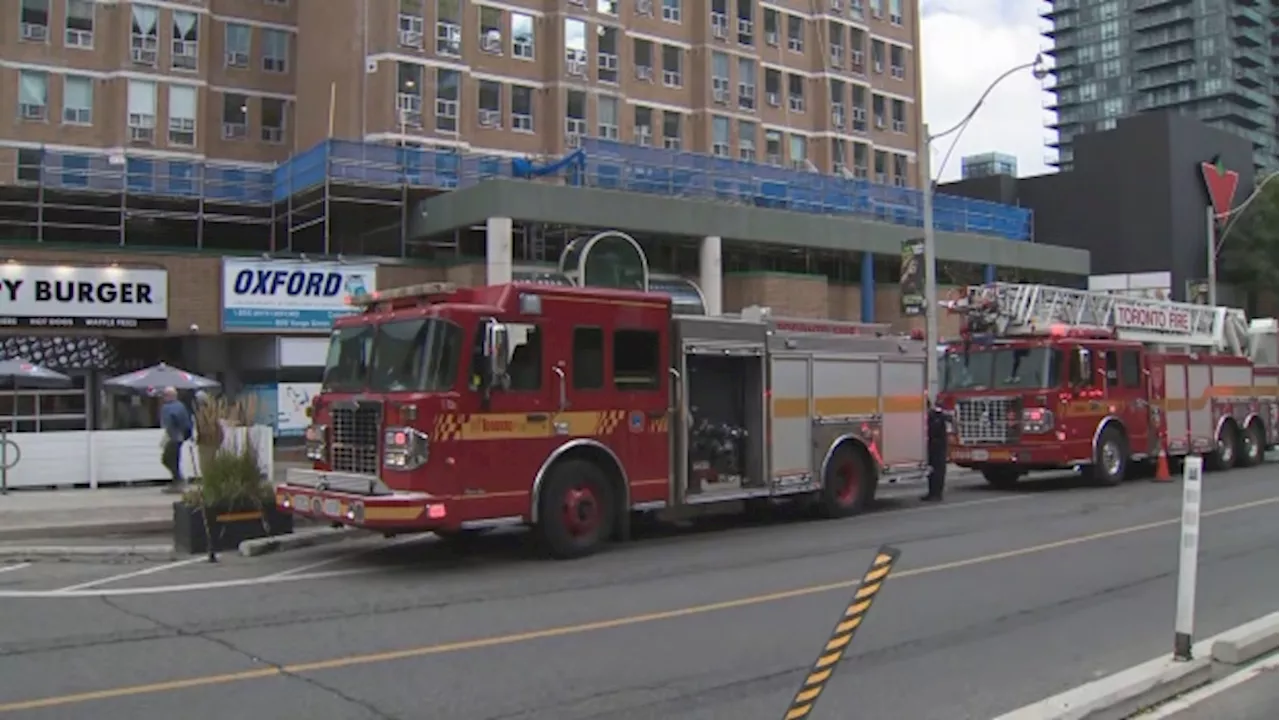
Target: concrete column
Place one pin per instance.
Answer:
(868, 287)
(988, 274)
(497, 251)
(711, 274)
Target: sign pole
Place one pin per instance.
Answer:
(1209, 220)
(1188, 554)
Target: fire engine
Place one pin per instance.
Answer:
(456, 410)
(1049, 378)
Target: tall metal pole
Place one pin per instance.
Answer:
(1211, 246)
(930, 266)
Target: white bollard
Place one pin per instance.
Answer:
(1188, 555)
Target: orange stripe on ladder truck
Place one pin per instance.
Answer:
(842, 636)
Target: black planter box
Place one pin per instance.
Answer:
(228, 527)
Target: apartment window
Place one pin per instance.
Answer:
(898, 108)
(273, 120)
(771, 27)
(876, 7)
(448, 28)
(895, 12)
(642, 122)
(607, 117)
(235, 116)
(142, 111)
(835, 34)
(33, 21)
(671, 56)
(671, 130)
(858, 108)
(77, 100)
(145, 37)
(855, 9)
(799, 152)
(671, 10)
(897, 62)
(522, 36)
(773, 147)
(857, 56)
(409, 78)
(795, 33)
(447, 93)
(746, 141)
(182, 116)
(489, 104)
(746, 23)
(186, 40)
(491, 30)
(860, 154)
(773, 87)
(522, 108)
(33, 95)
(79, 30)
(881, 160)
(575, 47)
(899, 170)
(607, 55)
(838, 166)
(837, 104)
(795, 93)
(746, 84)
(720, 78)
(275, 50)
(642, 51)
(719, 19)
(720, 136)
(410, 24)
(878, 111)
(239, 41)
(575, 117)
(877, 55)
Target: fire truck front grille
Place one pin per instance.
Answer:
(985, 420)
(355, 432)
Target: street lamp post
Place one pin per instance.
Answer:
(926, 211)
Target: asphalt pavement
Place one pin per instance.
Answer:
(999, 599)
(1257, 698)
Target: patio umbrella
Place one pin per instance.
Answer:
(153, 380)
(15, 373)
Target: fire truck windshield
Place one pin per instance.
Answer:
(402, 355)
(1001, 369)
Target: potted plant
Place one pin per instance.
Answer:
(232, 501)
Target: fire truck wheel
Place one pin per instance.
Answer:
(1228, 451)
(848, 486)
(1111, 458)
(576, 512)
(1001, 477)
(1254, 447)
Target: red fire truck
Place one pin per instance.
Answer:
(1050, 378)
(570, 409)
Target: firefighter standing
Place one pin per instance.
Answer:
(937, 445)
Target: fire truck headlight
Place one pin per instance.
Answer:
(315, 437)
(404, 448)
(1036, 421)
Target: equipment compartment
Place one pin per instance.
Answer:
(726, 432)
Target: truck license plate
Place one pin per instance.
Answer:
(980, 455)
(332, 508)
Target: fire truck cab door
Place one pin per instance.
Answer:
(1126, 393)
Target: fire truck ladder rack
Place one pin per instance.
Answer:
(1014, 309)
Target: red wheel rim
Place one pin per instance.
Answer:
(581, 511)
(846, 482)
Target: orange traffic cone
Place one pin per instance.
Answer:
(1162, 468)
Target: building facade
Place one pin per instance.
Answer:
(992, 163)
(1212, 59)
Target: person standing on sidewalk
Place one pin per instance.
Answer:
(176, 422)
(937, 449)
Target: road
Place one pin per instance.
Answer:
(999, 599)
(1250, 694)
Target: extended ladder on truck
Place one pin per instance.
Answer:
(1013, 309)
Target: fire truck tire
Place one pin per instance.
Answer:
(1227, 454)
(848, 485)
(1110, 458)
(1002, 477)
(576, 511)
(1254, 445)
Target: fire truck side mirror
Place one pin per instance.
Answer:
(496, 350)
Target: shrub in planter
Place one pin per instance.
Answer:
(232, 502)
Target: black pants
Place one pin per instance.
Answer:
(937, 470)
(171, 457)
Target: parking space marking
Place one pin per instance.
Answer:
(128, 575)
(11, 568)
(293, 572)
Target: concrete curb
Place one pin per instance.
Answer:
(67, 552)
(88, 529)
(306, 538)
(1121, 695)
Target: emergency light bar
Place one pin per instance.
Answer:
(408, 291)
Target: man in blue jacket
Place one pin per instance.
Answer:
(175, 421)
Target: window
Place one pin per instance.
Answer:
(525, 365)
(575, 47)
(575, 117)
(145, 36)
(899, 170)
(799, 152)
(30, 161)
(273, 120)
(773, 87)
(239, 39)
(33, 21)
(491, 30)
(33, 95)
(899, 111)
(643, 124)
(275, 50)
(773, 147)
(746, 23)
(746, 84)
(897, 62)
(409, 96)
(410, 24)
(860, 155)
(588, 358)
(235, 116)
(1130, 369)
(1080, 367)
(79, 30)
(771, 27)
(642, 53)
(895, 12)
(877, 55)
(795, 93)
(142, 111)
(671, 66)
(878, 110)
(876, 7)
(448, 28)
(77, 100)
(46, 410)
(835, 32)
(720, 77)
(858, 108)
(182, 115)
(671, 139)
(881, 167)
(522, 36)
(746, 141)
(636, 359)
(489, 103)
(607, 7)
(838, 166)
(720, 136)
(671, 10)
(607, 117)
(186, 41)
(1113, 370)
(607, 55)
(522, 108)
(447, 93)
(795, 33)
(857, 46)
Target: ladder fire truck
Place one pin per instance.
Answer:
(1048, 378)
(568, 409)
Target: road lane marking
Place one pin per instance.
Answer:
(11, 568)
(128, 575)
(582, 628)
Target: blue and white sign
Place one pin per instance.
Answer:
(290, 295)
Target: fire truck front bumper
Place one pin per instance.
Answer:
(342, 498)
(1028, 457)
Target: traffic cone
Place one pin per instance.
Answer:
(1162, 467)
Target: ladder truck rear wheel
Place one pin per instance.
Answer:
(848, 485)
(1110, 458)
(1226, 454)
(576, 510)
(1254, 446)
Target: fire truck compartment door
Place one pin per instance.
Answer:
(1198, 396)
